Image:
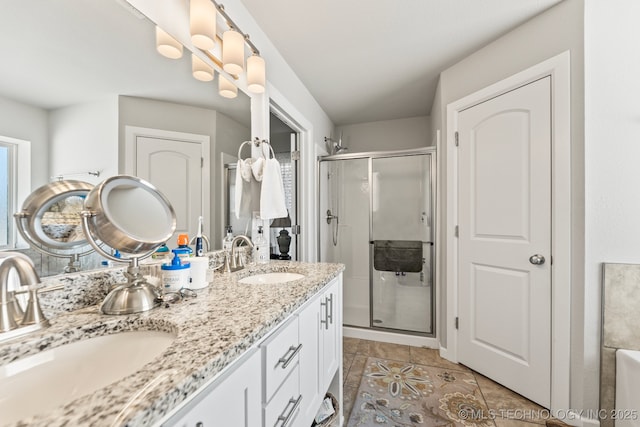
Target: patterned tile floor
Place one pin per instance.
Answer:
(510, 409)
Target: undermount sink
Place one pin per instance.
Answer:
(270, 278)
(41, 382)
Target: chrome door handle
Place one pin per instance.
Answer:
(536, 259)
(285, 419)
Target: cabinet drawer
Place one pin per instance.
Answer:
(285, 405)
(280, 356)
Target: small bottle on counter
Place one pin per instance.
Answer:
(260, 248)
(228, 239)
(176, 275)
(183, 249)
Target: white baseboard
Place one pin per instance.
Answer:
(389, 337)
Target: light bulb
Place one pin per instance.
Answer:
(167, 45)
(232, 52)
(202, 24)
(256, 75)
(226, 88)
(201, 70)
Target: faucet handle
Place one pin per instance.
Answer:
(33, 314)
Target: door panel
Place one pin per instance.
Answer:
(504, 218)
(174, 167)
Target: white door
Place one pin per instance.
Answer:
(175, 168)
(504, 205)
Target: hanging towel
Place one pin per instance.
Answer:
(257, 168)
(397, 255)
(242, 203)
(272, 203)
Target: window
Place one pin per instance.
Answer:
(15, 184)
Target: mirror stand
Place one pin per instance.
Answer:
(136, 294)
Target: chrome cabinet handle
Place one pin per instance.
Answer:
(287, 418)
(325, 321)
(286, 360)
(330, 310)
(536, 259)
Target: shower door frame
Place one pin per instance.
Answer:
(370, 155)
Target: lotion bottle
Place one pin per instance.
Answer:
(260, 248)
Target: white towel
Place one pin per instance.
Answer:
(272, 203)
(242, 202)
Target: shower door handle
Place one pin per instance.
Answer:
(330, 216)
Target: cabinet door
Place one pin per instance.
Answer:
(331, 328)
(310, 388)
(235, 402)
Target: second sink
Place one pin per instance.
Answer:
(270, 278)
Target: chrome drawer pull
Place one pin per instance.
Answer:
(330, 310)
(286, 360)
(324, 322)
(286, 418)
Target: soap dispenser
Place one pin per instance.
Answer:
(260, 248)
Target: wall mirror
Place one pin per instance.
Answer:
(71, 53)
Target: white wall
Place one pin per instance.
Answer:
(28, 123)
(612, 152)
(400, 134)
(546, 35)
(84, 137)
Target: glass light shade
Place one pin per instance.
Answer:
(201, 70)
(226, 88)
(232, 52)
(256, 75)
(202, 24)
(167, 45)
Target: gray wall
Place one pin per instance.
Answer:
(29, 123)
(400, 134)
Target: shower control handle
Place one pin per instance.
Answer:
(330, 216)
(536, 259)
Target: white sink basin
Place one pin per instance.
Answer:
(41, 382)
(269, 278)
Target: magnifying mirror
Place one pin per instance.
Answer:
(128, 214)
(50, 221)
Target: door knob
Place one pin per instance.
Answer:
(536, 259)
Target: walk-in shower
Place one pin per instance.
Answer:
(377, 217)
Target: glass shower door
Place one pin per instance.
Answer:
(344, 231)
(401, 243)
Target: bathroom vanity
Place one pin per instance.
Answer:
(262, 353)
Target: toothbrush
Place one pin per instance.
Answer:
(199, 251)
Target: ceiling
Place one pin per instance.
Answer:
(370, 60)
(64, 52)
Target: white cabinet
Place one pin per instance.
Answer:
(235, 401)
(281, 381)
(320, 324)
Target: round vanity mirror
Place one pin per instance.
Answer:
(50, 220)
(128, 214)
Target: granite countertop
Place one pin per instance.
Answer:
(213, 329)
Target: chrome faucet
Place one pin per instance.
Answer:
(237, 262)
(14, 321)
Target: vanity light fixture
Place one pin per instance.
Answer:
(226, 88)
(233, 52)
(202, 28)
(256, 74)
(202, 23)
(167, 45)
(201, 70)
